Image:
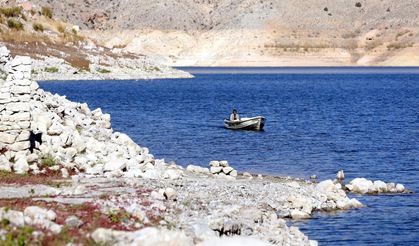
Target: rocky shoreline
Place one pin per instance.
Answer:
(66, 177)
(104, 68)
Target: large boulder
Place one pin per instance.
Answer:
(21, 166)
(5, 164)
(361, 186)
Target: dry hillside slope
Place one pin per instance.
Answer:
(253, 32)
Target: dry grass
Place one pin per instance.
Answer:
(11, 11)
(20, 37)
(47, 12)
(400, 45)
(298, 47)
(15, 24)
(38, 27)
(51, 177)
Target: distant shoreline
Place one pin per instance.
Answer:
(301, 70)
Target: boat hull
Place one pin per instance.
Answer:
(255, 124)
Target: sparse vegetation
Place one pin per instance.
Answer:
(17, 236)
(15, 24)
(399, 45)
(296, 47)
(358, 5)
(47, 12)
(51, 69)
(60, 28)
(401, 33)
(11, 11)
(118, 216)
(38, 27)
(103, 70)
(48, 160)
(153, 69)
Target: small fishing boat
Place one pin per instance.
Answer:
(256, 123)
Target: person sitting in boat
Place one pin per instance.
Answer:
(234, 116)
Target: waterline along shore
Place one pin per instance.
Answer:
(67, 177)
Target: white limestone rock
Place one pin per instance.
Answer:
(247, 175)
(33, 213)
(227, 170)
(172, 174)
(215, 170)
(197, 169)
(233, 241)
(400, 188)
(157, 195)
(380, 186)
(55, 129)
(224, 163)
(169, 193)
(7, 138)
(114, 163)
(18, 107)
(17, 89)
(5, 164)
(362, 186)
(133, 173)
(21, 166)
(214, 164)
(326, 186)
(73, 222)
(20, 60)
(297, 214)
(151, 174)
(233, 173)
(14, 217)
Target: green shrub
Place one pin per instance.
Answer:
(47, 12)
(153, 68)
(15, 24)
(60, 29)
(118, 216)
(103, 70)
(18, 236)
(48, 160)
(38, 27)
(11, 12)
(51, 69)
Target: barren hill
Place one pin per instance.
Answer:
(253, 32)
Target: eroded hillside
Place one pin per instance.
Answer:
(250, 32)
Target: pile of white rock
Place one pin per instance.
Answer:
(197, 169)
(365, 186)
(33, 216)
(221, 169)
(73, 137)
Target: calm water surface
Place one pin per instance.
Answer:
(366, 124)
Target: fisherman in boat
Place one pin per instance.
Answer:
(234, 116)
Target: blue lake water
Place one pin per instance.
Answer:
(366, 123)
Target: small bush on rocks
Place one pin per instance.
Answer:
(103, 70)
(48, 161)
(38, 27)
(60, 29)
(15, 24)
(118, 217)
(47, 12)
(358, 5)
(11, 12)
(51, 69)
(18, 236)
